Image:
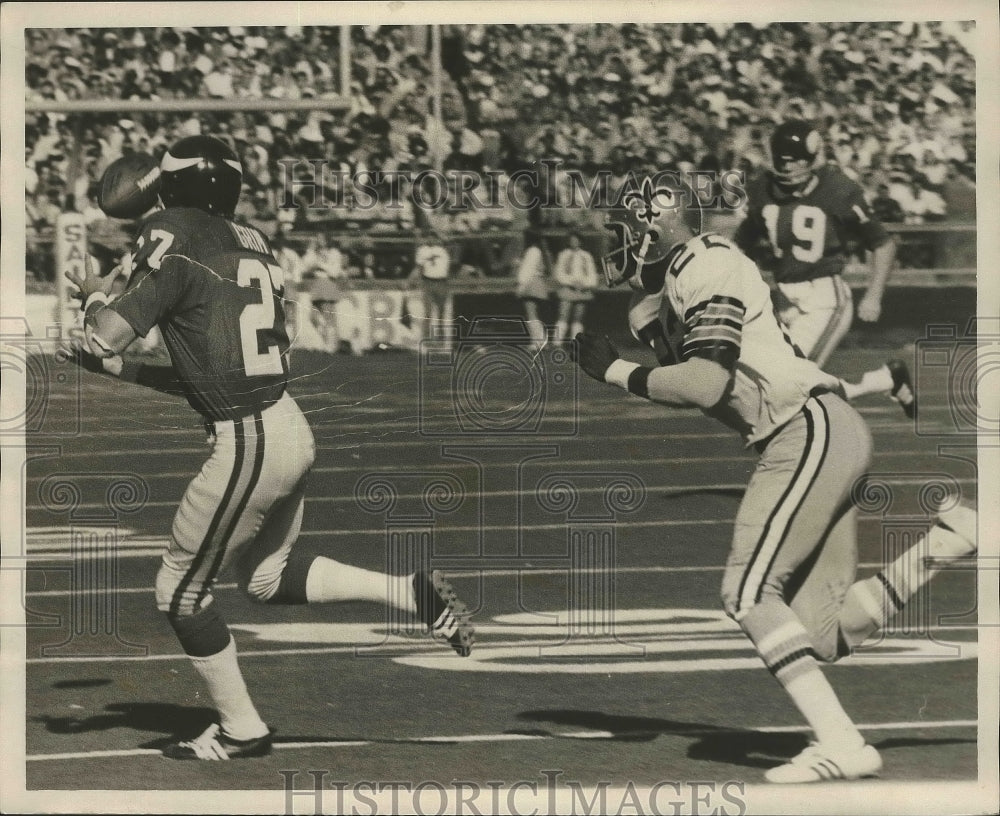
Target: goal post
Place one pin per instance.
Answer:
(71, 239)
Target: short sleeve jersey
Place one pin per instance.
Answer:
(213, 288)
(727, 316)
(808, 231)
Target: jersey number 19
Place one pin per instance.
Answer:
(808, 231)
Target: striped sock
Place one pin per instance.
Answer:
(870, 604)
(787, 651)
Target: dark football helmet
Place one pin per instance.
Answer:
(796, 151)
(650, 219)
(201, 172)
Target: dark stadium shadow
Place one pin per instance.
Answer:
(921, 742)
(83, 682)
(165, 718)
(750, 749)
(728, 492)
(734, 746)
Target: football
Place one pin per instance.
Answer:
(130, 186)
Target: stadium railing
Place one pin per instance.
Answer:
(929, 255)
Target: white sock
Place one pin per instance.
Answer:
(329, 581)
(878, 381)
(561, 328)
(228, 690)
(575, 329)
(786, 649)
(870, 604)
(815, 698)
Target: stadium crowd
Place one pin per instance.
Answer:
(894, 100)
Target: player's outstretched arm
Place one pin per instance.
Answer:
(696, 382)
(107, 334)
(162, 378)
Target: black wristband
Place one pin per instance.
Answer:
(131, 371)
(638, 382)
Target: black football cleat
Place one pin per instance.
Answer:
(902, 387)
(444, 615)
(215, 744)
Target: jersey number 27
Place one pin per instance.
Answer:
(257, 317)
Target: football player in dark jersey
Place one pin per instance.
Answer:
(211, 285)
(807, 211)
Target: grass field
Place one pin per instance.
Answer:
(656, 685)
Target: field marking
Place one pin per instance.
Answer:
(485, 572)
(550, 441)
(660, 491)
(575, 427)
(190, 425)
(43, 553)
(394, 646)
(459, 739)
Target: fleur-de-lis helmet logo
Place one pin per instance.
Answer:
(649, 203)
(653, 216)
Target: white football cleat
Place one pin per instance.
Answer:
(819, 764)
(962, 521)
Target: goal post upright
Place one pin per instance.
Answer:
(71, 243)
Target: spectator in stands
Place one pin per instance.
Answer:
(575, 274)
(431, 269)
(291, 264)
(322, 267)
(592, 96)
(533, 287)
(885, 208)
(918, 202)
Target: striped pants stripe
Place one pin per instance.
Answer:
(817, 313)
(795, 534)
(243, 508)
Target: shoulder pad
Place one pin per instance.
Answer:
(833, 179)
(178, 220)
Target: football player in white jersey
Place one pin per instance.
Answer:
(790, 577)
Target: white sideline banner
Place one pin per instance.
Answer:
(366, 318)
(70, 256)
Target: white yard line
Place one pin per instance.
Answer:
(665, 490)
(915, 725)
(153, 547)
(485, 572)
(396, 646)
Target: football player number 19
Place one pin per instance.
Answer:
(808, 228)
(257, 317)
